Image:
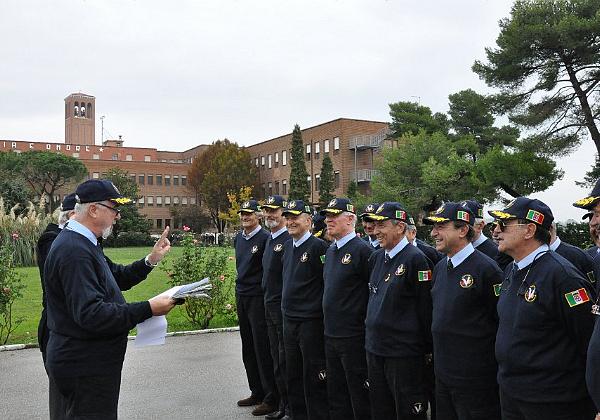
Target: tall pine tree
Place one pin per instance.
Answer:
(299, 188)
(326, 187)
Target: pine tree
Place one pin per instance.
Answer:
(326, 187)
(352, 191)
(299, 188)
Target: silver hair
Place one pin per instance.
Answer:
(411, 228)
(63, 217)
(81, 208)
(352, 216)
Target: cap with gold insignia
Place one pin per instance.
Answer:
(319, 225)
(591, 200)
(337, 206)
(275, 202)
(388, 210)
(96, 190)
(475, 206)
(451, 211)
(297, 207)
(249, 206)
(369, 208)
(526, 208)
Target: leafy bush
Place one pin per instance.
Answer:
(197, 262)
(575, 233)
(125, 239)
(11, 286)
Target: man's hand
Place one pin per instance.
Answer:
(161, 305)
(160, 249)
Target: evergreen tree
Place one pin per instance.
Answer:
(326, 187)
(352, 191)
(299, 188)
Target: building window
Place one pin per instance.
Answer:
(159, 201)
(167, 201)
(256, 162)
(284, 187)
(277, 187)
(317, 182)
(317, 148)
(158, 223)
(115, 156)
(184, 201)
(141, 179)
(270, 160)
(147, 158)
(193, 201)
(150, 181)
(276, 159)
(132, 177)
(284, 157)
(308, 152)
(326, 146)
(336, 176)
(95, 175)
(183, 180)
(158, 179)
(270, 188)
(141, 201)
(75, 154)
(175, 200)
(309, 180)
(128, 158)
(336, 143)
(150, 201)
(168, 180)
(262, 161)
(175, 179)
(167, 222)
(96, 156)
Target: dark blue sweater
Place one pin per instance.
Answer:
(272, 262)
(248, 262)
(346, 277)
(88, 317)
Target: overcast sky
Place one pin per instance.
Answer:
(173, 75)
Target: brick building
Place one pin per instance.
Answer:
(352, 144)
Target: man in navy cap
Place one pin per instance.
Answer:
(369, 225)
(430, 252)
(545, 321)
(398, 322)
(301, 304)
(346, 278)
(464, 293)
(249, 246)
(88, 317)
(272, 283)
(576, 256)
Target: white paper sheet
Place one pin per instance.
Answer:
(152, 332)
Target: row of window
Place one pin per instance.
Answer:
(159, 201)
(143, 179)
(273, 159)
(273, 188)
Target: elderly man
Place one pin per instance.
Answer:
(398, 323)
(346, 278)
(369, 225)
(88, 317)
(464, 293)
(576, 256)
(301, 304)
(545, 321)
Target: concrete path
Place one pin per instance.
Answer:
(190, 377)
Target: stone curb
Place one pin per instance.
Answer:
(12, 347)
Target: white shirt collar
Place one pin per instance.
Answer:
(482, 238)
(75, 226)
(340, 243)
(374, 242)
(279, 232)
(529, 258)
(399, 247)
(251, 234)
(414, 243)
(462, 255)
(303, 239)
(555, 244)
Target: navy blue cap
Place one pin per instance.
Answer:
(451, 211)
(388, 210)
(526, 208)
(96, 190)
(369, 208)
(475, 206)
(275, 202)
(337, 206)
(249, 206)
(297, 207)
(318, 223)
(591, 200)
(68, 203)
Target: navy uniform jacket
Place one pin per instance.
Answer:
(272, 263)
(248, 262)
(465, 321)
(430, 252)
(489, 248)
(592, 373)
(398, 322)
(346, 293)
(302, 294)
(42, 249)
(592, 251)
(368, 241)
(579, 258)
(544, 331)
(88, 317)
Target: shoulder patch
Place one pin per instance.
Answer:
(425, 275)
(577, 297)
(497, 289)
(322, 258)
(591, 277)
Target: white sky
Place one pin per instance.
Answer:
(173, 75)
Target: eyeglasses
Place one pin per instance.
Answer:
(502, 225)
(116, 210)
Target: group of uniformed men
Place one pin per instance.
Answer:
(387, 327)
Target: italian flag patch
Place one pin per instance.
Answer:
(577, 297)
(462, 215)
(535, 216)
(425, 275)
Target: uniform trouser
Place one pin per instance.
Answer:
(56, 403)
(306, 368)
(274, 320)
(89, 397)
(513, 409)
(347, 385)
(256, 353)
(467, 403)
(397, 387)
(430, 384)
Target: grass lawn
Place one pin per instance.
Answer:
(29, 306)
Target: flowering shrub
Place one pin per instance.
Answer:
(198, 262)
(11, 286)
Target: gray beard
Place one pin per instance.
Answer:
(271, 224)
(106, 232)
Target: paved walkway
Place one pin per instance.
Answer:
(190, 377)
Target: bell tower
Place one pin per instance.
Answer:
(80, 119)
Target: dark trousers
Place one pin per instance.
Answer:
(397, 387)
(306, 368)
(430, 386)
(462, 403)
(256, 353)
(513, 409)
(347, 385)
(89, 397)
(274, 320)
(56, 402)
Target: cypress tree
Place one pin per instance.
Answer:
(299, 188)
(326, 187)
